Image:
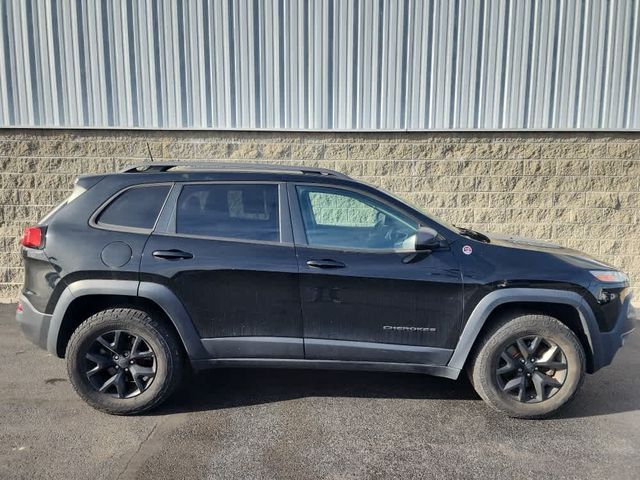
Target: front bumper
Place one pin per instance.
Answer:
(606, 344)
(34, 324)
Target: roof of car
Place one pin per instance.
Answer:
(213, 167)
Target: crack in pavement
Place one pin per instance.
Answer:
(151, 444)
(126, 467)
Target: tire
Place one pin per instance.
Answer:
(145, 377)
(494, 368)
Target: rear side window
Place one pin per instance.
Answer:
(238, 211)
(137, 207)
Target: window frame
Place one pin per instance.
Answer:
(299, 231)
(93, 220)
(167, 223)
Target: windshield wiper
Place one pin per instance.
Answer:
(467, 232)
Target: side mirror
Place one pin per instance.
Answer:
(426, 239)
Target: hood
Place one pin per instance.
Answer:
(574, 257)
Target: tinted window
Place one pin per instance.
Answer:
(136, 207)
(247, 212)
(342, 218)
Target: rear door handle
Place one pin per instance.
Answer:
(172, 254)
(325, 263)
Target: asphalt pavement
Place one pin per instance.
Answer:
(288, 424)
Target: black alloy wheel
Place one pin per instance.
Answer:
(531, 369)
(120, 364)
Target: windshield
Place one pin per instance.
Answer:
(467, 232)
(433, 217)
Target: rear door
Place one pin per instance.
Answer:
(226, 251)
(366, 295)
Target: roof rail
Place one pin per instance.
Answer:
(157, 167)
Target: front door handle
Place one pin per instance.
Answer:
(325, 263)
(172, 254)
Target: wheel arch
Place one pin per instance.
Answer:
(83, 298)
(569, 307)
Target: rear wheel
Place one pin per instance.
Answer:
(123, 362)
(528, 366)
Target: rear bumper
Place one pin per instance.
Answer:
(606, 344)
(34, 324)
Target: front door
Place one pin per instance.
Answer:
(227, 254)
(366, 295)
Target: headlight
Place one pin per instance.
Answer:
(609, 276)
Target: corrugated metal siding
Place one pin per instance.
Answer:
(300, 64)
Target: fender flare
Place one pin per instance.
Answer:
(159, 294)
(496, 298)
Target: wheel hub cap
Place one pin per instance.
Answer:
(120, 364)
(531, 369)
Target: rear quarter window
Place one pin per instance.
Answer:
(136, 207)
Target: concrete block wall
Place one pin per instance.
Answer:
(581, 190)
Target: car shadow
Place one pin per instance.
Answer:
(609, 391)
(237, 387)
(614, 389)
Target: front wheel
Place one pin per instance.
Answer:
(528, 366)
(123, 362)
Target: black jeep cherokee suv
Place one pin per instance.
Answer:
(139, 274)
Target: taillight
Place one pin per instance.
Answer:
(33, 237)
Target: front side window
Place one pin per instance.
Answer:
(137, 207)
(238, 211)
(335, 217)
